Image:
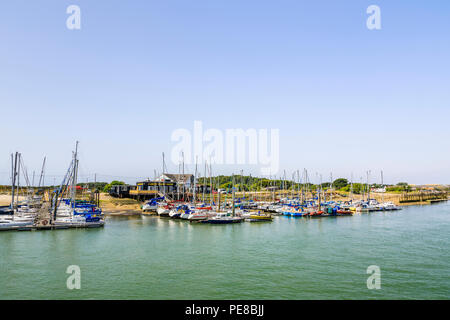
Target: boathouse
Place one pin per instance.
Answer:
(173, 186)
(121, 191)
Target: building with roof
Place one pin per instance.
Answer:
(173, 186)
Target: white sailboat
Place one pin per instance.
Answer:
(17, 216)
(67, 211)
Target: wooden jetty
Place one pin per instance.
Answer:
(53, 227)
(422, 196)
(43, 221)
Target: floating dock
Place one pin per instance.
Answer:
(53, 227)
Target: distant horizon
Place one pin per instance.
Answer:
(53, 177)
(314, 178)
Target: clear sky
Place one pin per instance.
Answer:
(346, 99)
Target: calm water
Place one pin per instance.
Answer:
(153, 258)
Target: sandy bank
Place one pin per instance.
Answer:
(5, 199)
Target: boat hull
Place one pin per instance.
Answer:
(225, 220)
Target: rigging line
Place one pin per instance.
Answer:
(25, 172)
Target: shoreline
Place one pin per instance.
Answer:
(127, 207)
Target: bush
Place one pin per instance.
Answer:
(340, 183)
(107, 188)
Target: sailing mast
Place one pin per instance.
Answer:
(62, 188)
(273, 185)
(182, 177)
(204, 184)
(41, 178)
(351, 187)
(164, 180)
(363, 189)
(75, 173)
(195, 187)
(178, 181)
(27, 180)
(319, 189)
(13, 177)
(382, 186)
(306, 185)
(293, 186)
(234, 209)
(302, 188)
(211, 194)
(12, 181)
(218, 193)
(243, 187)
(331, 186)
(18, 177)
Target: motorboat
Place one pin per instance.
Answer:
(259, 217)
(389, 206)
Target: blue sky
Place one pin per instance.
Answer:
(346, 99)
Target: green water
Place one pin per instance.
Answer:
(291, 258)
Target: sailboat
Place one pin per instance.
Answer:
(10, 217)
(176, 212)
(163, 209)
(386, 206)
(203, 211)
(72, 212)
(200, 213)
(224, 218)
(152, 205)
(258, 217)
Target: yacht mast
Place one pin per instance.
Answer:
(75, 173)
(242, 182)
(211, 195)
(178, 181)
(307, 185)
(234, 209)
(18, 177)
(183, 179)
(351, 187)
(195, 187)
(12, 181)
(363, 188)
(204, 183)
(13, 177)
(319, 192)
(164, 180)
(294, 184)
(331, 186)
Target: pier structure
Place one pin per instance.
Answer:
(424, 196)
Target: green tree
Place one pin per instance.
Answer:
(112, 183)
(225, 185)
(340, 183)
